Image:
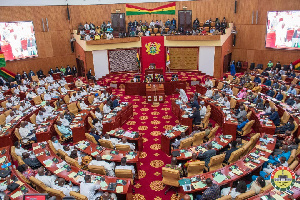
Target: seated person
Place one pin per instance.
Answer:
(275, 117)
(95, 134)
(290, 101)
(56, 143)
(226, 103)
(114, 141)
(83, 106)
(47, 179)
(292, 90)
(208, 129)
(26, 171)
(109, 167)
(69, 116)
(268, 82)
(257, 79)
(49, 79)
(267, 171)
(47, 96)
(98, 113)
(174, 165)
(284, 139)
(208, 83)
(216, 96)
(256, 88)
(25, 133)
(209, 92)
(33, 163)
(125, 142)
(64, 120)
(89, 189)
(232, 149)
(54, 94)
(10, 117)
(228, 90)
(19, 150)
(116, 102)
(289, 126)
(73, 97)
(260, 104)
(242, 124)
(194, 159)
(267, 109)
(257, 184)
(202, 109)
(274, 159)
(176, 143)
(212, 191)
(182, 95)
(240, 116)
(65, 188)
(98, 125)
(195, 116)
(106, 108)
(78, 83)
(109, 196)
(65, 131)
(296, 105)
(234, 192)
(270, 92)
(124, 166)
(206, 156)
(279, 96)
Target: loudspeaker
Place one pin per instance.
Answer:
(235, 4)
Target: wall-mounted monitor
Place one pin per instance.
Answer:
(17, 40)
(283, 29)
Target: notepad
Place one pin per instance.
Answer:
(188, 154)
(119, 189)
(129, 157)
(103, 184)
(237, 172)
(59, 170)
(94, 153)
(2, 159)
(106, 157)
(198, 185)
(219, 178)
(48, 163)
(36, 147)
(16, 194)
(72, 175)
(263, 158)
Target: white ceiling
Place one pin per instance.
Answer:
(72, 2)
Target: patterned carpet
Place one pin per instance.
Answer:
(151, 121)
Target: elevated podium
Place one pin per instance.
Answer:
(155, 92)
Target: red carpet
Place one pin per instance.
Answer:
(150, 121)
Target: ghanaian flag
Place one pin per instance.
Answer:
(168, 9)
(2, 59)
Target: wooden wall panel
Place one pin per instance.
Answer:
(218, 62)
(184, 58)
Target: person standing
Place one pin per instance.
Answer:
(232, 69)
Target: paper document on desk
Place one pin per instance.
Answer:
(219, 178)
(16, 194)
(36, 147)
(48, 163)
(103, 185)
(119, 189)
(95, 153)
(129, 157)
(188, 154)
(59, 170)
(106, 157)
(198, 185)
(237, 172)
(72, 175)
(263, 158)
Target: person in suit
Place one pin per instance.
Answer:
(240, 116)
(275, 117)
(40, 73)
(279, 96)
(233, 147)
(194, 103)
(195, 116)
(116, 102)
(206, 156)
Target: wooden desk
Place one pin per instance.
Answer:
(241, 165)
(167, 141)
(74, 174)
(21, 182)
(137, 141)
(154, 71)
(178, 112)
(155, 92)
(79, 126)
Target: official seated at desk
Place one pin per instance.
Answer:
(195, 116)
(65, 131)
(109, 167)
(274, 116)
(182, 95)
(61, 185)
(174, 165)
(136, 79)
(174, 77)
(160, 78)
(33, 163)
(46, 177)
(241, 114)
(209, 92)
(124, 166)
(89, 189)
(206, 156)
(148, 79)
(212, 192)
(26, 133)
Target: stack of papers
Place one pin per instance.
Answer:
(198, 185)
(106, 157)
(48, 163)
(219, 178)
(119, 189)
(237, 172)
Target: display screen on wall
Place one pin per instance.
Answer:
(17, 40)
(283, 30)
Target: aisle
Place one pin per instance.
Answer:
(150, 121)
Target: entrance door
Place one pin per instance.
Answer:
(185, 19)
(226, 62)
(80, 67)
(118, 23)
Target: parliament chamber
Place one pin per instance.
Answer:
(150, 100)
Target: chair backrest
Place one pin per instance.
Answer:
(247, 128)
(52, 147)
(195, 168)
(13, 153)
(249, 115)
(58, 133)
(216, 162)
(296, 127)
(236, 155)
(6, 113)
(72, 162)
(170, 176)
(186, 143)
(106, 143)
(227, 197)
(37, 100)
(78, 196)
(245, 195)
(3, 104)
(294, 164)
(39, 185)
(57, 193)
(121, 147)
(91, 99)
(206, 119)
(90, 121)
(97, 169)
(33, 118)
(2, 119)
(101, 106)
(90, 138)
(35, 78)
(73, 108)
(78, 105)
(284, 96)
(62, 154)
(17, 134)
(124, 173)
(247, 148)
(220, 85)
(198, 138)
(266, 188)
(292, 156)
(232, 103)
(212, 133)
(93, 115)
(67, 99)
(208, 109)
(230, 78)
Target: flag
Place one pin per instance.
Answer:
(138, 60)
(168, 58)
(2, 59)
(168, 9)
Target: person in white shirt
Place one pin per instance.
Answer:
(54, 94)
(234, 192)
(27, 104)
(56, 144)
(124, 166)
(22, 107)
(221, 99)
(268, 109)
(296, 106)
(182, 95)
(63, 90)
(98, 113)
(78, 95)
(30, 95)
(62, 81)
(104, 94)
(226, 103)
(19, 150)
(49, 109)
(106, 108)
(15, 99)
(98, 125)
(30, 126)
(202, 109)
(55, 85)
(42, 82)
(40, 117)
(88, 189)
(96, 99)
(124, 142)
(23, 88)
(64, 121)
(9, 117)
(16, 91)
(83, 106)
(5, 87)
(114, 141)
(26, 81)
(25, 133)
(49, 79)
(83, 92)
(109, 167)
(41, 90)
(49, 181)
(208, 83)
(73, 98)
(1, 95)
(66, 189)
(47, 96)
(208, 92)
(9, 103)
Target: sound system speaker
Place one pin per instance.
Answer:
(235, 4)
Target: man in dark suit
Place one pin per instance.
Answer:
(116, 103)
(18, 78)
(275, 117)
(195, 116)
(40, 73)
(232, 149)
(194, 103)
(207, 154)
